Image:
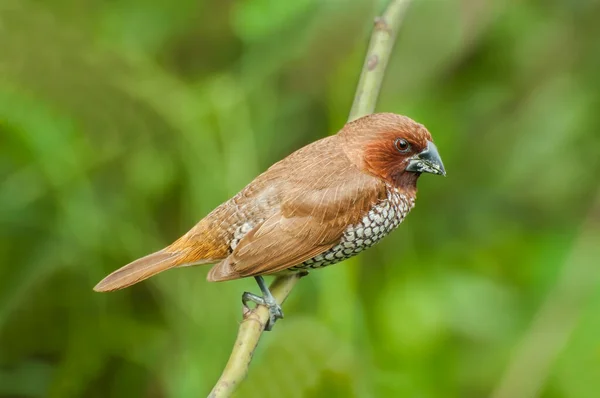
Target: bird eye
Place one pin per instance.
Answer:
(402, 145)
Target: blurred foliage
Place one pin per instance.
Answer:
(123, 123)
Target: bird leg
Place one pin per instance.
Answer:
(267, 299)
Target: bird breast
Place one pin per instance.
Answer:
(382, 219)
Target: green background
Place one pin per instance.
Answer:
(122, 123)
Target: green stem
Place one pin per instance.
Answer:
(380, 48)
(251, 328)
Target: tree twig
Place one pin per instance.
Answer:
(251, 328)
(380, 48)
(249, 333)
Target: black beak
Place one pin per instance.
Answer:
(427, 161)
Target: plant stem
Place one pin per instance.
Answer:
(380, 48)
(249, 333)
(251, 328)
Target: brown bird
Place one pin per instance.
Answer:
(324, 203)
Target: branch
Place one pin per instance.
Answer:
(249, 333)
(380, 48)
(253, 324)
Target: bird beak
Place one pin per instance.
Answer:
(427, 161)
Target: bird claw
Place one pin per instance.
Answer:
(275, 311)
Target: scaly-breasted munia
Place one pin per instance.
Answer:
(324, 203)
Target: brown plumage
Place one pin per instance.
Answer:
(323, 203)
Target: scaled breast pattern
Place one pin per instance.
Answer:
(382, 219)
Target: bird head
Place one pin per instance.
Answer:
(392, 147)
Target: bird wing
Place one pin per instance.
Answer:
(320, 196)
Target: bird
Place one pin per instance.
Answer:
(324, 203)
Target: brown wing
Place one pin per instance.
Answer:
(320, 195)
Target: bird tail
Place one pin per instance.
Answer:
(140, 269)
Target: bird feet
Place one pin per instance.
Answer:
(275, 311)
